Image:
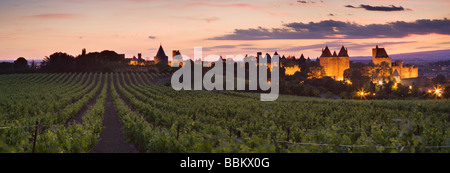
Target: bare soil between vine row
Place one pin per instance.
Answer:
(112, 138)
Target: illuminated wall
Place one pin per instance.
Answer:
(335, 66)
(378, 61)
(405, 71)
(291, 70)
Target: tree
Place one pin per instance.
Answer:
(305, 69)
(104, 61)
(316, 72)
(347, 73)
(59, 62)
(385, 71)
(358, 80)
(6, 67)
(20, 63)
(111, 55)
(447, 92)
(358, 75)
(93, 61)
(440, 80)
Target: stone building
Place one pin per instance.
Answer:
(405, 71)
(161, 56)
(176, 60)
(335, 64)
(380, 55)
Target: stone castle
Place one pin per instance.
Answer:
(335, 64)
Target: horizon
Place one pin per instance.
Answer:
(352, 58)
(290, 27)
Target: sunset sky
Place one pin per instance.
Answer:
(37, 28)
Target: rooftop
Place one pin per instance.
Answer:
(380, 53)
(326, 52)
(343, 52)
(160, 52)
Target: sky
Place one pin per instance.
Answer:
(37, 28)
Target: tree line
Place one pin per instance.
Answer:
(104, 61)
(59, 62)
(20, 65)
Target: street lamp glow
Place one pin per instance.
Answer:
(438, 92)
(348, 82)
(361, 93)
(395, 86)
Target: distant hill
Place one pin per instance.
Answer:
(29, 61)
(412, 58)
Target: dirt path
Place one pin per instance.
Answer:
(112, 139)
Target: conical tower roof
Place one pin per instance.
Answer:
(302, 57)
(396, 73)
(343, 52)
(160, 52)
(326, 52)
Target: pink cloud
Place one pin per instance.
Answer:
(55, 16)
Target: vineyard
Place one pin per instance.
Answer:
(65, 112)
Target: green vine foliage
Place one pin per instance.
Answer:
(159, 119)
(238, 122)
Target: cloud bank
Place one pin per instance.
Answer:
(341, 30)
(378, 8)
